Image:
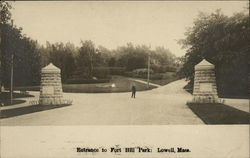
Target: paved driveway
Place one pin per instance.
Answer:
(160, 106)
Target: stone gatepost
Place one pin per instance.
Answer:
(51, 86)
(205, 90)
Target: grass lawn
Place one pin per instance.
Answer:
(219, 114)
(122, 84)
(5, 98)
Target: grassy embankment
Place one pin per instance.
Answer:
(5, 98)
(122, 84)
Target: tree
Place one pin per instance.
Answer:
(26, 59)
(86, 57)
(132, 57)
(62, 56)
(5, 12)
(223, 41)
(5, 16)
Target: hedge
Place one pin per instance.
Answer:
(87, 81)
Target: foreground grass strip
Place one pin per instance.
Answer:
(219, 114)
(5, 98)
(27, 110)
(14, 102)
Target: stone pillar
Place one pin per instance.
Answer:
(205, 90)
(51, 86)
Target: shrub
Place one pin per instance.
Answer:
(163, 69)
(87, 81)
(117, 70)
(144, 75)
(128, 74)
(156, 76)
(142, 71)
(101, 72)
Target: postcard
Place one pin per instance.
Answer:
(119, 79)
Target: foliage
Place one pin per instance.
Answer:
(5, 14)
(116, 70)
(101, 72)
(143, 75)
(86, 81)
(76, 63)
(135, 57)
(223, 41)
(142, 71)
(26, 59)
(61, 56)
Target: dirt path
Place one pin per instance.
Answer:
(160, 106)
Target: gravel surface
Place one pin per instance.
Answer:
(161, 106)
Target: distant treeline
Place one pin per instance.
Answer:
(87, 62)
(220, 39)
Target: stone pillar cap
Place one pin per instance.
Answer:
(204, 65)
(51, 68)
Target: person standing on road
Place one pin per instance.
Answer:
(133, 91)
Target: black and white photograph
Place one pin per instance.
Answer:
(129, 66)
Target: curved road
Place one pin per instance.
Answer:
(160, 106)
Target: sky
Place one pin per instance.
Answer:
(115, 23)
